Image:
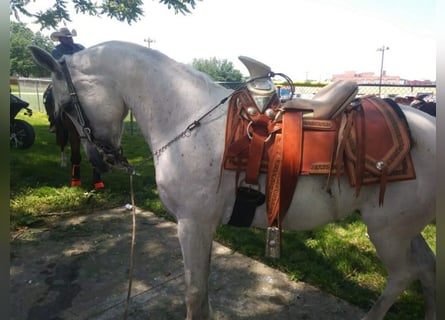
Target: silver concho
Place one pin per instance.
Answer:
(270, 113)
(252, 111)
(379, 165)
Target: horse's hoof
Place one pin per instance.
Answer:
(99, 185)
(75, 183)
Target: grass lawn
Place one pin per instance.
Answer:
(337, 258)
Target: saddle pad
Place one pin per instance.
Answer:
(386, 141)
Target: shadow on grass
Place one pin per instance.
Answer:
(330, 263)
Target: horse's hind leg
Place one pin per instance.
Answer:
(62, 138)
(75, 155)
(97, 180)
(426, 262)
(399, 259)
(62, 158)
(196, 239)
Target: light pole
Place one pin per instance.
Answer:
(382, 49)
(149, 41)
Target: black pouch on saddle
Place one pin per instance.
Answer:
(247, 200)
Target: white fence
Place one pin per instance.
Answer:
(31, 90)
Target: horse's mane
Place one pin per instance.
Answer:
(161, 58)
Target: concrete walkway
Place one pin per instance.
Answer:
(75, 267)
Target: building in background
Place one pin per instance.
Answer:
(372, 78)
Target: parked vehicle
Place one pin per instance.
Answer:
(21, 133)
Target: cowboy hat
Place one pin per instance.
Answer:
(63, 32)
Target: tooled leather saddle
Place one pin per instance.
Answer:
(334, 133)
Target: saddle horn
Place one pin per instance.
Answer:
(256, 69)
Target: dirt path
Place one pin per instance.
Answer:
(75, 267)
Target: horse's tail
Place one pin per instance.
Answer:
(429, 107)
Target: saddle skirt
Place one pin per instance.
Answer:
(385, 142)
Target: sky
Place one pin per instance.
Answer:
(306, 40)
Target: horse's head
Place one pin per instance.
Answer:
(88, 101)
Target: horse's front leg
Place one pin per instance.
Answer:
(75, 166)
(62, 158)
(76, 158)
(97, 180)
(196, 238)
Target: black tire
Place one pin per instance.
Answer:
(22, 134)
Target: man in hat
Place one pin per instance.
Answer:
(66, 45)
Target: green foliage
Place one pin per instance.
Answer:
(128, 10)
(123, 10)
(179, 5)
(20, 58)
(39, 185)
(219, 70)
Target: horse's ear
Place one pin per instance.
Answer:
(46, 60)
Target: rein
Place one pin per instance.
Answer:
(197, 123)
(75, 102)
(110, 155)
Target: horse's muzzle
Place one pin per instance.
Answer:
(105, 158)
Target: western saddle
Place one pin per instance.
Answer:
(334, 133)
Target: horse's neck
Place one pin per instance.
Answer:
(167, 98)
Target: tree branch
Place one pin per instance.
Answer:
(122, 10)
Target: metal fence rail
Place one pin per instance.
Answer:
(386, 90)
(32, 89)
(307, 91)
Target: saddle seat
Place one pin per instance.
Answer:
(328, 102)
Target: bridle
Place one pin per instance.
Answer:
(111, 156)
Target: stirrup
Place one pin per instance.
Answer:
(273, 242)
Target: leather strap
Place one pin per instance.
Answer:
(274, 180)
(284, 166)
(361, 147)
(255, 155)
(383, 181)
(345, 133)
(292, 155)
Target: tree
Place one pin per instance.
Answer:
(122, 10)
(21, 62)
(219, 70)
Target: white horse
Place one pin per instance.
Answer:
(166, 97)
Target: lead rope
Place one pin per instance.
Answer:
(133, 241)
